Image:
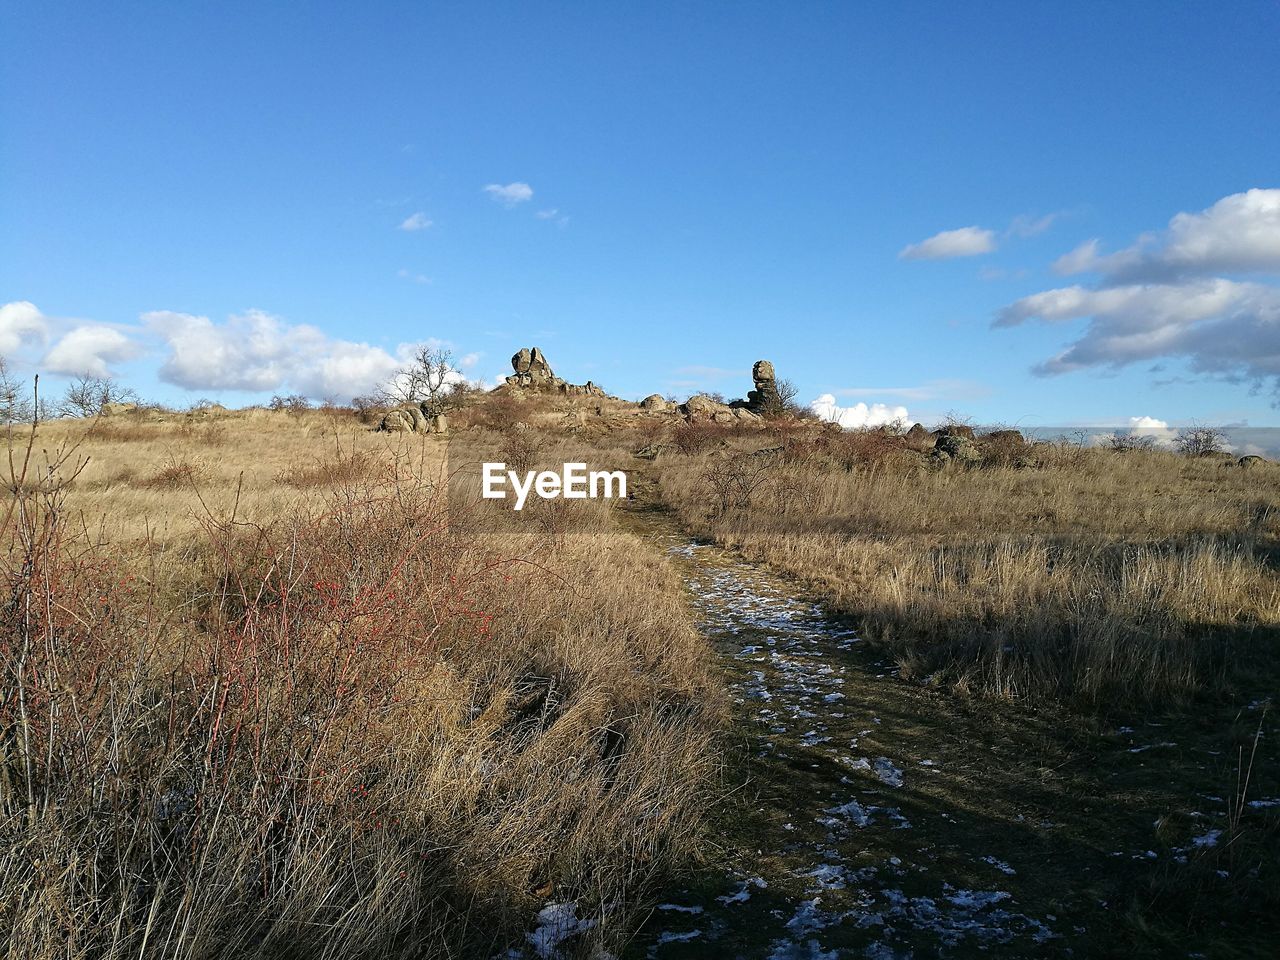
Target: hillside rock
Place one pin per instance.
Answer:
(1251, 461)
(764, 398)
(702, 407)
(114, 409)
(411, 418)
(533, 372)
(656, 403)
(957, 448)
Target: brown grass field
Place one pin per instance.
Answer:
(262, 699)
(266, 695)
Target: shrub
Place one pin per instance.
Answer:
(1200, 441)
(696, 437)
(293, 403)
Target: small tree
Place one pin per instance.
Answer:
(1201, 441)
(87, 395)
(15, 403)
(426, 379)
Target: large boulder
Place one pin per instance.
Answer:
(958, 449)
(702, 407)
(656, 403)
(1251, 461)
(412, 418)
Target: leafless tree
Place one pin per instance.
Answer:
(424, 380)
(86, 396)
(1201, 441)
(15, 402)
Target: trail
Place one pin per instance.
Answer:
(852, 835)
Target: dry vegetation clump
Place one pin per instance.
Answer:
(1092, 576)
(344, 467)
(343, 728)
(173, 473)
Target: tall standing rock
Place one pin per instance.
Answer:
(765, 397)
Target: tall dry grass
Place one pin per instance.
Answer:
(291, 709)
(1085, 574)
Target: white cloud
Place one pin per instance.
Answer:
(509, 194)
(1159, 298)
(858, 415)
(21, 322)
(1027, 226)
(1147, 423)
(258, 352)
(90, 350)
(547, 214)
(1079, 260)
(964, 242)
(416, 221)
(1221, 327)
(1238, 234)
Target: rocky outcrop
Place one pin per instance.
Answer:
(533, 372)
(1250, 461)
(413, 418)
(764, 399)
(114, 409)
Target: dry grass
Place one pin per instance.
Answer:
(288, 708)
(1092, 575)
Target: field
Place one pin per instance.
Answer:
(267, 694)
(262, 699)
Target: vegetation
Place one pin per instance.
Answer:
(267, 692)
(272, 703)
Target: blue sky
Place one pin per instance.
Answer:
(208, 200)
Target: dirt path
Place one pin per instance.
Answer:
(851, 843)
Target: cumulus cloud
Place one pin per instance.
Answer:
(21, 323)
(964, 242)
(1158, 299)
(1238, 234)
(1147, 423)
(509, 194)
(258, 352)
(90, 350)
(857, 415)
(416, 221)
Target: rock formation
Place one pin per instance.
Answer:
(533, 372)
(700, 407)
(764, 399)
(414, 418)
(656, 403)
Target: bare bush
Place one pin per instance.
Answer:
(734, 479)
(693, 438)
(293, 403)
(1200, 441)
(86, 396)
(1130, 442)
(518, 449)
